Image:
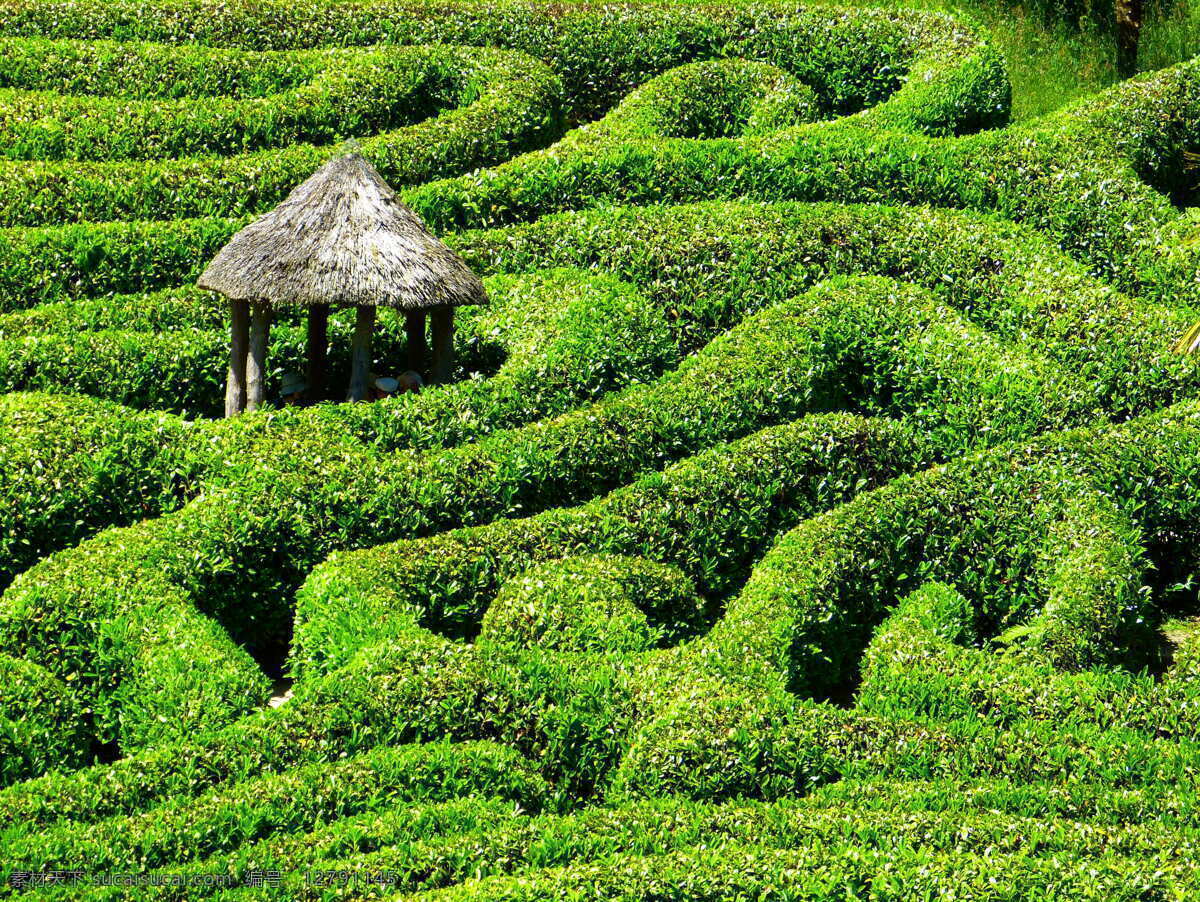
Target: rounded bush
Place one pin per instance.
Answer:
(594, 603)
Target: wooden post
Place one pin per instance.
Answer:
(418, 347)
(317, 350)
(360, 353)
(441, 323)
(1129, 31)
(239, 341)
(256, 360)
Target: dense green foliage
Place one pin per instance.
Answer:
(813, 511)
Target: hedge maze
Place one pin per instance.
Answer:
(814, 514)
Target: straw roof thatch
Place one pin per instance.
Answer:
(342, 238)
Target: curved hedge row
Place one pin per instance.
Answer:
(41, 722)
(298, 800)
(348, 93)
(1082, 176)
(140, 70)
(75, 465)
(592, 603)
(447, 109)
(531, 468)
(307, 711)
(561, 337)
(474, 842)
(712, 263)
(554, 339)
(955, 84)
(814, 586)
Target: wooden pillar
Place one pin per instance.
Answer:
(239, 341)
(1129, 31)
(441, 322)
(317, 350)
(418, 347)
(256, 359)
(360, 353)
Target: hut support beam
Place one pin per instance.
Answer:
(418, 347)
(360, 353)
(317, 350)
(441, 321)
(239, 341)
(256, 359)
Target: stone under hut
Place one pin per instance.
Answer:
(341, 239)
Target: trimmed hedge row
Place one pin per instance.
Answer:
(1092, 178)
(385, 844)
(178, 372)
(601, 54)
(945, 81)
(594, 603)
(713, 263)
(797, 619)
(867, 343)
(561, 338)
(917, 665)
(821, 871)
(238, 552)
(299, 800)
(75, 465)
(489, 104)
(599, 709)
(821, 601)
(1089, 803)
(168, 310)
(41, 722)
(350, 93)
(139, 70)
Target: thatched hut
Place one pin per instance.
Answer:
(341, 239)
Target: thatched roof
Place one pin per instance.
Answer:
(342, 238)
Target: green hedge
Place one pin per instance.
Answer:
(601, 54)
(140, 70)
(562, 337)
(711, 264)
(465, 107)
(428, 679)
(75, 465)
(955, 84)
(554, 339)
(1092, 178)
(814, 589)
(299, 800)
(350, 93)
(480, 496)
(42, 725)
(477, 841)
(820, 871)
(547, 341)
(162, 630)
(465, 488)
(594, 603)
(708, 264)
(237, 553)
(870, 343)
